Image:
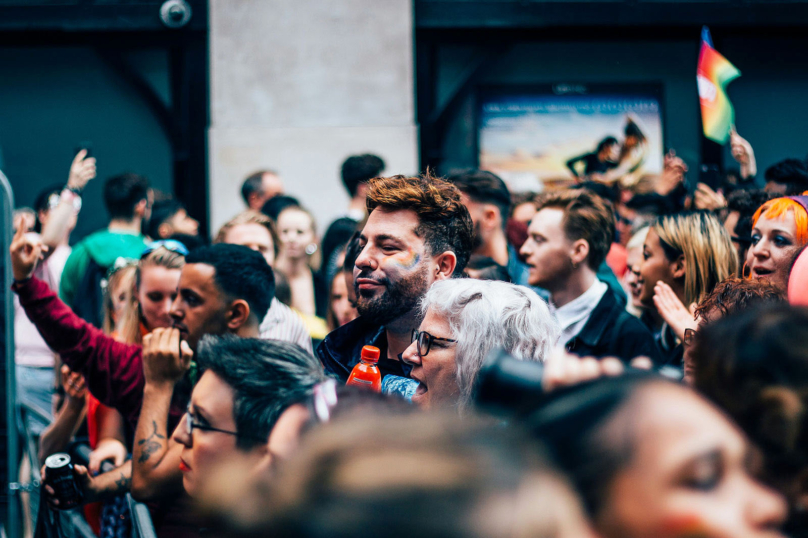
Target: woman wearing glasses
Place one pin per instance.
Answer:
(463, 321)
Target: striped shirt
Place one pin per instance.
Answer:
(282, 323)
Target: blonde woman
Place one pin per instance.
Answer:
(684, 256)
(156, 279)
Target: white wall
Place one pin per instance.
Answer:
(298, 85)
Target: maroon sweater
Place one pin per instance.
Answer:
(113, 372)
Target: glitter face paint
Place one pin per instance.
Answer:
(403, 260)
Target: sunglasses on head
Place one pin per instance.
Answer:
(169, 244)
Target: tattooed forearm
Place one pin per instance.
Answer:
(150, 445)
(123, 483)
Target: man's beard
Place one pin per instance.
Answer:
(399, 298)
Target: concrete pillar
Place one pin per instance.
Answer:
(297, 86)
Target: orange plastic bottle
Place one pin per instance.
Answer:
(366, 374)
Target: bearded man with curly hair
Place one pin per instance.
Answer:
(418, 232)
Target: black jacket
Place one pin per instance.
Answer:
(610, 331)
(341, 349)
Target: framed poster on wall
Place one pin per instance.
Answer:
(541, 137)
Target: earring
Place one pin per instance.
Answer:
(311, 248)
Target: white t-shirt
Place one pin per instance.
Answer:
(30, 348)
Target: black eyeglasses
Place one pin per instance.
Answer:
(190, 425)
(424, 341)
(690, 336)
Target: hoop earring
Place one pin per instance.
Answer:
(311, 248)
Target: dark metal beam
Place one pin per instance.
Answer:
(614, 14)
(93, 15)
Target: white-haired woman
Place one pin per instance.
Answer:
(463, 320)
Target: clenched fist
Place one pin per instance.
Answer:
(166, 357)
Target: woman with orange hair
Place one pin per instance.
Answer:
(780, 229)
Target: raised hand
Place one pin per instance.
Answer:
(81, 171)
(672, 310)
(707, 198)
(26, 251)
(166, 357)
(742, 152)
(74, 384)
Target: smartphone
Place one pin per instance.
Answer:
(86, 145)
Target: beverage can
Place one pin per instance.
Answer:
(59, 476)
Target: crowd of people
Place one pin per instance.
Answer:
(655, 343)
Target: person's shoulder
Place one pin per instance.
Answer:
(631, 325)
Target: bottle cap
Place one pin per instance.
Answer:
(370, 354)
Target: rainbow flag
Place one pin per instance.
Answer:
(713, 74)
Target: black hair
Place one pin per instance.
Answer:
(123, 192)
(266, 376)
(754, 365)
(483, 187)
(605, 143)
(241, 273)
(191, 242)
(607, 192)
(352, 251)
(254, 183)
(42, 202)
(793, 173)
(162, 211)
(572, 422)
(275, 205)
(358, 169)
(746, 202)
(283, 292)
(488, 268)
(632, 129)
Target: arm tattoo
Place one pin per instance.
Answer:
(123, 482)
(149, 445)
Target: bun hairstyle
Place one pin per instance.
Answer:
(760, 378)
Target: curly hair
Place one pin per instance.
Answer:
(735, 295)
(586, 216)
(444, 222)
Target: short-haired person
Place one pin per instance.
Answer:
(463, 320)
(259, 187)
(355, 172)
(418, 232)
(684, 256)
(128, 199)
(567, 241)
(488, 200)
(788, 177)
(222, 289)
(779, 231)
(732, 296)
(255, 231)
(244, 386)
(169, 217)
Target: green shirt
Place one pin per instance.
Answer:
(104, 247)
